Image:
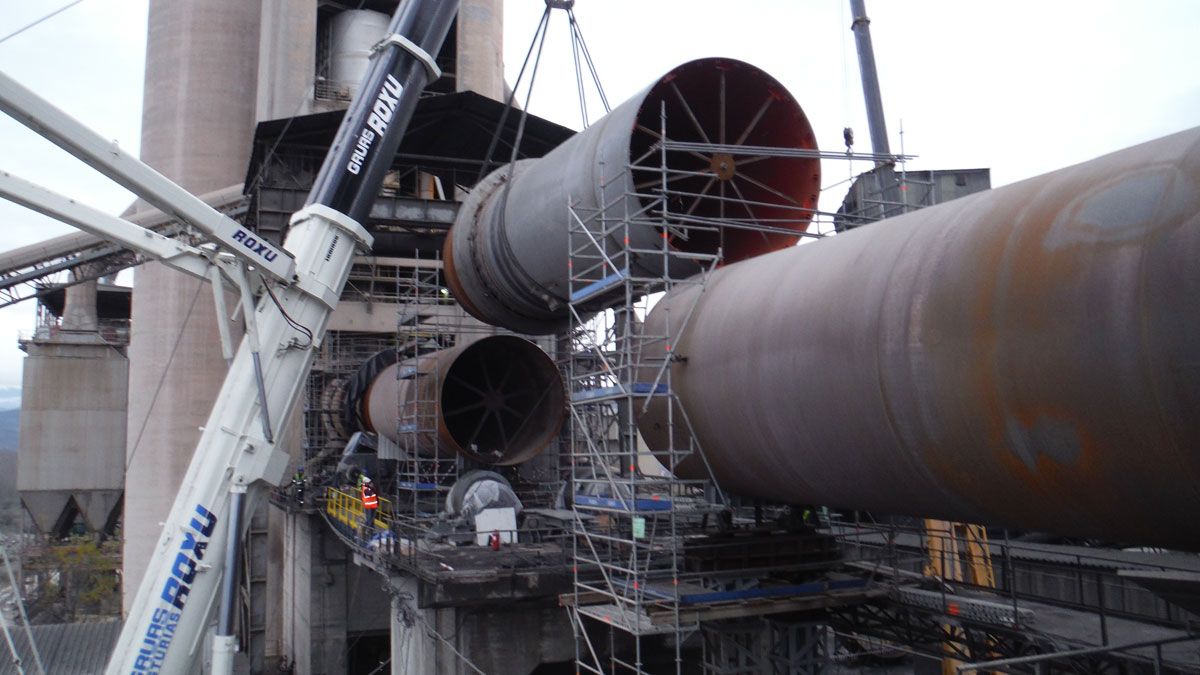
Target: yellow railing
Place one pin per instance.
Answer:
(346, 508)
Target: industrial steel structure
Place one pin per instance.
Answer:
(617, 420)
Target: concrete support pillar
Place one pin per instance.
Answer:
(314, 597)
(278, 556)
(415, 649)
(498, 640)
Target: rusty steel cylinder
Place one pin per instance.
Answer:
(506, 255)
(1026, 357)
(499, 401)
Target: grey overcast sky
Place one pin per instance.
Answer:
(1020, 86)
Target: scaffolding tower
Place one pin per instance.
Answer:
(634, 516)
(428, 322)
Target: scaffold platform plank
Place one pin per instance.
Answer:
(417, 486)
(615, 391)
(771, 605)
(795, 590)
(657, 617)
(654, 503)
(631, 621)
(599, 287)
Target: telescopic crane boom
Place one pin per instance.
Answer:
(192, 575)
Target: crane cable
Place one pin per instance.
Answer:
(579, 48)
(582, 57)
(538, 38)
(162, 378)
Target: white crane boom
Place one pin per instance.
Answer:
(193, 571)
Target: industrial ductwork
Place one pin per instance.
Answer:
(498, 401)
(1027, 356)
(506, 256)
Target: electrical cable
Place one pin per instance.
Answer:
(381, 666)
(56, 12)
(430, 631)
(287, 317)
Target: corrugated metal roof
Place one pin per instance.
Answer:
(65, 648)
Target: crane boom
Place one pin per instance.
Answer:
(193, 570)
(105, 156)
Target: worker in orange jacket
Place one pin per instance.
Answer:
(370, 501)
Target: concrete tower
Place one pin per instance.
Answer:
(480, 59)
(197, 122)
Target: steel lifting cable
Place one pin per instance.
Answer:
(579, 47)
(583, 112)
(539, 40)
(537, 61)
(847, 133)
(538, 37)
(582, 57)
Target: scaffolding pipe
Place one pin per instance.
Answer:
(1027, 357)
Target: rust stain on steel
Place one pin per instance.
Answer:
(1027, 357)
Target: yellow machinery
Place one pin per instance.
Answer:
(958, 552)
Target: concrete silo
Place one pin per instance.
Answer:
(72, 431)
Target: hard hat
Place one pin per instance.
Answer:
(366, 479)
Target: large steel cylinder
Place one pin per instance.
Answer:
(506, 256)
(1027, 356)
(499, 400)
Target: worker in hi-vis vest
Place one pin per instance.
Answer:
(370, 501)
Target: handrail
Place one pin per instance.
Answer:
(347, 508)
